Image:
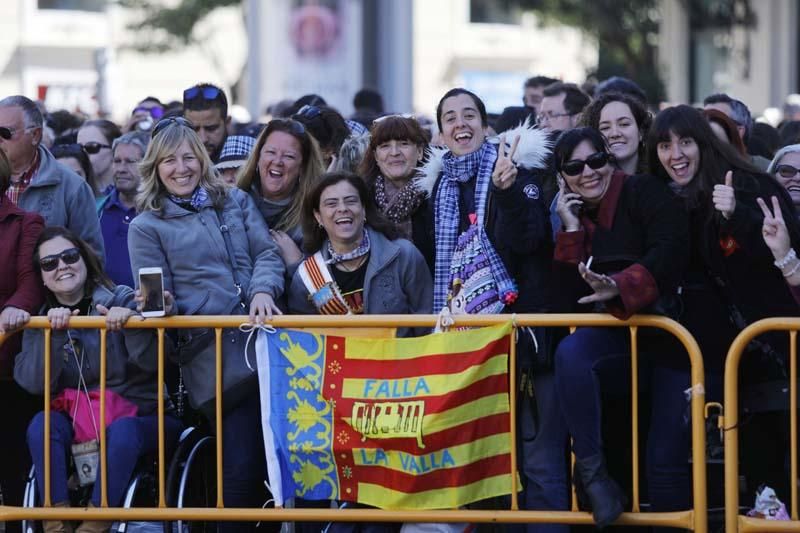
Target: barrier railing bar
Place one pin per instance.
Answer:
(695, 518)
(512, 412)
(162, 500)
(733, 521)
(635, 418)
(677, 519)
(101, 424)
(47, 371)
(793, 418)
(218, 413)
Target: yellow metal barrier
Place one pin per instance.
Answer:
(693, 519)
(730, 420)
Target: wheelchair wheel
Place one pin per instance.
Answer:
(191, 479)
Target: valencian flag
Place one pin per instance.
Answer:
(416, 423)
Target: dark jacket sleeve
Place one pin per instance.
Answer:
(665, 224)
(29, 293)
(521, 217)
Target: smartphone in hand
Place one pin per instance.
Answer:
(151, 286)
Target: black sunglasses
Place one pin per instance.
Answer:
(6, 133)
(208, 93)
(70, 256)
(292, 125)
(574, 167)
(164, 123)
(787, 171)
(93, 147)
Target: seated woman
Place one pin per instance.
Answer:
(622, 247)
(355, 266)
(217, 258)
(77, 286)
(397, 146)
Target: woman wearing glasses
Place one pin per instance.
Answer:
(281, 169)
(397, 146)
(217, 258)
(77, 286)
(621, 248)
(96, 137)
(785, 166)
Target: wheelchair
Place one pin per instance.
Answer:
(190, 482)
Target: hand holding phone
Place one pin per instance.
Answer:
(151, 288)
(568, 208)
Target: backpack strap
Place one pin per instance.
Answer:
(323, 291)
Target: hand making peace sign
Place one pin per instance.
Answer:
(505, 172)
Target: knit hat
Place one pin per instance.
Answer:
(235, 152)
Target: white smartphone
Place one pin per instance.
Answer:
(151, 286)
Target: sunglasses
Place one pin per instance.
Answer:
(6, 133)
(93, 147)
(292, 125)
(575, 166)
(207, 93)
(787, 171)
(70, 256)
(164, 123)
(309, 111)
(155, 112)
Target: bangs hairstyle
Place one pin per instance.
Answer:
(390, 129)
(644, 119)
(716, 157)
(95, 276)
(455, 92)
(314, 235)
(311, 168)
(570, 139)
(164, 144)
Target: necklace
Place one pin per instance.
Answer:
(359, 262)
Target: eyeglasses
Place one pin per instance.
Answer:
(7, 133)
(404, 115)
(787, 171)
(292, 125)
(575, 166)
(309, 111)
(155, 112)
(93, 147)
(164, 123)
(547, 117)
(70, 256)
(208, 93)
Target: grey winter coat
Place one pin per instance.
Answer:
(397, 281)
(63, 199)
(131, 363)
(190, 249)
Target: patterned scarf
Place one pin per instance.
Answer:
(360, 251)
(460, 169)
(403, 205)
(195, 203)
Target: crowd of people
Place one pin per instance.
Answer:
(573, 202)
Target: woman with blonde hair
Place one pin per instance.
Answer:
(217, 259)
(281, 170)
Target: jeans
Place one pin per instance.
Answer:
(579, 385)
(127, 439)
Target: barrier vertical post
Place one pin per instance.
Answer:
(47, 370)
(793, 417)
(512, 412)
(218, 412)
(102, 422)
(635, 418)
(162, 501)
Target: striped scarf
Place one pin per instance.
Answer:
(195, 203)
(455, 170)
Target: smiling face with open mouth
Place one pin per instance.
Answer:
(462, 128)
(67, 281)
(788, 175)
(180, 171)
(680, 157)
(342, 215)
(279, 164)
(621, 132)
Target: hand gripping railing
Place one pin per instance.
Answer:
(693, 519)
(730, 425)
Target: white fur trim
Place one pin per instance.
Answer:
(532, 152)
